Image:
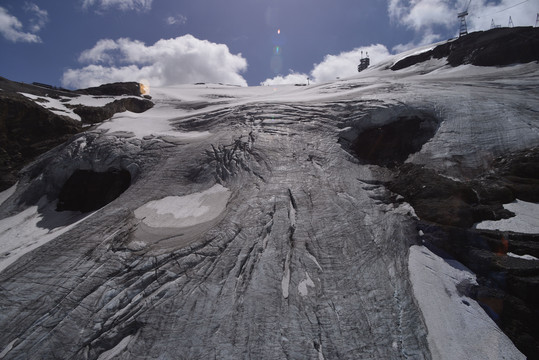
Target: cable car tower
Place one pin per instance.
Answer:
(463, 29)
(364, 62)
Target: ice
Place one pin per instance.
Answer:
(458, 327)
(8, 348)
(4, 195)
(526, 219)
(117, 350)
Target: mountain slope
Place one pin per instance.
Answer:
(275, 222)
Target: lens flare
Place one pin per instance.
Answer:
(276, 61)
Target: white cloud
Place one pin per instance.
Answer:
(100, 53)
(345, 64)
(176, 20)
(292, 78)
(428, 38)
(334, 66)
(481, 14)
(184, 59)
(421, 14)
(124, 5)
(11, 29)
(41, 17)
(428, 17)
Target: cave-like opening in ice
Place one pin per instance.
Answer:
(87, 190)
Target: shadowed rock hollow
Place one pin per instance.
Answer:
(87, 190)
(391, 144)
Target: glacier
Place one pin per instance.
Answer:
(258, 224)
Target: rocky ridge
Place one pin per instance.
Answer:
(28, 129)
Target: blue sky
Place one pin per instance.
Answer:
(83, 43)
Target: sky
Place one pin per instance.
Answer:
(82, 43)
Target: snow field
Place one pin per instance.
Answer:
(526, 219)
(185, 211)
(21, 233)
(458, 328)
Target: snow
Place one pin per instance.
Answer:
(526, 219)
(302, 286)
(21, 233)
(184, 211)
(153, 122)
(58, 106)
(525, 256)
(458, 328)
(54, 105)
(285, 281)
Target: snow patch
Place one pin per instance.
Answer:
(302, 286)
(285, 282)
(525, 256)
(21, 233)
(153, 122)
(526, 219)
(53, 105)
(458, 328)
(184, 211)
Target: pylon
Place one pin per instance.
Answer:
(537, 20)
(463, 29)
(492, 24)
(510, 22)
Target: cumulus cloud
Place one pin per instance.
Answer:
(292, 78)
(334, 66)
(345, 64)
(176, 20)
(124, 5)
(181, 60)
(12, 29)
(427, 18)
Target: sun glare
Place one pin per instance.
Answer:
(144, 87)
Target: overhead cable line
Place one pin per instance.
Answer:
(507, 8)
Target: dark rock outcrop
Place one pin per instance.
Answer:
(114, 89)
(455, 203)
(508, 286)
(95, 114)
(87, 190)
(391, 144)
(26, 131)
(495, 47)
